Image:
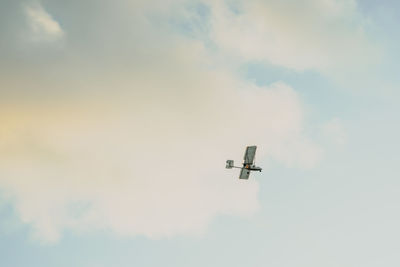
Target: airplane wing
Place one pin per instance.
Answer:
(244, 174)
(250, 154)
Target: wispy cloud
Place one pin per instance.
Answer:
(43, 27)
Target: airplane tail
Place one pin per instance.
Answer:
(229, 164)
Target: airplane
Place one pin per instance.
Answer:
(248, 164)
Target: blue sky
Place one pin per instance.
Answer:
(117, 118)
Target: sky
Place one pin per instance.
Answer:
(117, 117)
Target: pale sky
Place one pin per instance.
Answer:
(117, 117)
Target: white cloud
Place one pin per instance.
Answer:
(327, 36)
(138, 147)
(43, 27)
(155, 169)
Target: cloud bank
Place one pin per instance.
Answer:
(127, 129)
(147, 166)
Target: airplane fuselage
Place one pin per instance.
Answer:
(251, 167)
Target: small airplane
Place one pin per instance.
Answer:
(248, 164)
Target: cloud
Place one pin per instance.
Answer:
(134, 141)
(153, 165)
(43, 27)
(326, 36)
